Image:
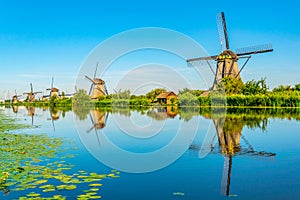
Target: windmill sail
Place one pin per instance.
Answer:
(222, 29)
(254, 49)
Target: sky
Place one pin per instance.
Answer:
(44, 39)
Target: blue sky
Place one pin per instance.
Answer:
(41, 39)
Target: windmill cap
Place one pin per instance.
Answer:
(98, 81)
(54, 89)
(227, 54)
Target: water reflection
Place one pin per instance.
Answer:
(31, 112)
(98, 119)
(162, 113)
(228, 133)
(227, 138)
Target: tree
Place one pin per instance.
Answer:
(121, 94)
(282, 88)
(187, 99)
(297, 87)
(154, 93)
(81, 97)
(172, 101)
(231, 85)
(255, 87)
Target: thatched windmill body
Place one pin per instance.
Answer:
(15, 98)
(98, 87)
(31, 94)
(53, 90)
(227, 60)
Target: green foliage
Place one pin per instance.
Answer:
(187, 99)
(282, 88)
(81, 98)
(187, 90)
(297, 87)
(231, 86)
(255, 87)
(154, 93)
(37, 163)
(121, 95)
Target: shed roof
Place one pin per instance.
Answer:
(164, 95)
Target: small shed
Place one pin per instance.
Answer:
(167, 97)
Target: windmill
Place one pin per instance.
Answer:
(98, 87)
(53, 91)
(228, 132)
(227, 60)
(15, 98)
(98, 120)
(31, 94)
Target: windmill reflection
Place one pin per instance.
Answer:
(54, 115)
(228, 132)
(98, 119)
(15, 108)
(31, 113)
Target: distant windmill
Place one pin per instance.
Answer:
(53, 91)
(31, 94)
(227, 65)
(15, 98)
(98, 87)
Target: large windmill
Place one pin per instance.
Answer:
(98, 87)
(15, 98)
(31, 94)
(53, 90)
(227, 60)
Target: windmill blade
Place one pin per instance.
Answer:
(97, 136)
(202, 58)
(264, 48)
(52, 82)
(106, 92)
(106, 117)
(225, 184)
(96, 70)
(31, 87)
(89, 130)
(90, 79)
(209, 141)
(91, 89)
(32, 120)
(92, 120)
(222, 29)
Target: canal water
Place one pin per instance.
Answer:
(166, 153)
